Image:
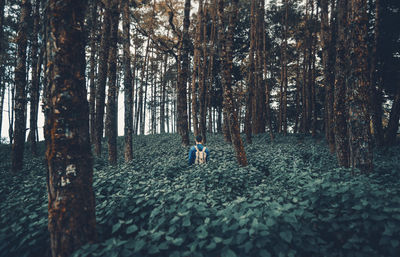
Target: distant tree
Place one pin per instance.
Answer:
(17, 153)
(182, 115)
(358, 89)
(111, 108)
(71, 218)
(93, 30)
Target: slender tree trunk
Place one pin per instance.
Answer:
(17, 153)
(144, 109)
(92, 71)
(34, 89)
(249, 119)
(226, 41)
(163, 95)
(111, 115)
(128, 96)
(182, 78)
(71, 220)
(102, 79)
(358, 90)
(285, 75)
(202, 80)
(2, 68)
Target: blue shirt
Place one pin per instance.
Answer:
(192, 153)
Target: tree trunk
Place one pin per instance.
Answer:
(182, 118)
(111, 115)
(128, 95)
(226, 40)
(92, 71)
(341, 68)
(249, 119)
(17, 153)
(102, 79)
(2, 84)
(163, 95)
(34, 89)
(393, 125)
(358, 90)
(71, 217)
(376, 90)
(202, 80)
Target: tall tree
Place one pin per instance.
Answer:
(71, 218)
(34, 90)
(182, 116)
(92, 70)
(112, 105)
(102, 77)
(248, 128)
(2, 85)
(17, 153)
(226, 41)
(326, 40)
(128, 94)
(358, 89)
(341, 68)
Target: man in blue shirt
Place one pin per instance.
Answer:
(193, 150)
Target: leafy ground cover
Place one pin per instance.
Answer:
(292, 200)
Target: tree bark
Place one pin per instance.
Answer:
(102, 79)
(226, 41)
(182, 116)
(2, 84)
(17, 153)
(34, 90)
(111, 108)
(71, 213)
(393, 125)
(202, 80)
(358, 90)
(341, 74)
(92, 71)
(128, 95)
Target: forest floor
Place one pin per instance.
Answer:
(291, 200)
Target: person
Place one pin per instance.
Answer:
(198, 148)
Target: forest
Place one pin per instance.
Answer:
(298, 102)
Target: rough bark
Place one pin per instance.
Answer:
(358, 89)
(2, 85)
(182, 116)
(226, 40)
(17, 153)
(101, 80)
(71, 213)
(128, 95)
(376, 90)
(111, 108)
(248, 127)
(202, 80)
(340, 109)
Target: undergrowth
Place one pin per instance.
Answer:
(291, 200)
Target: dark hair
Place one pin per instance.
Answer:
(199, 138)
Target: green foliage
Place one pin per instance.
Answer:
(291, 200)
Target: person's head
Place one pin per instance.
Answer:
(199, 139)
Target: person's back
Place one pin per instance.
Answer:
(198, 153)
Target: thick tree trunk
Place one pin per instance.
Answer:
(111, 115)
(376, 90)
(202, 80)
(2, 84)
(182, 116)
(249, 119)
(128, 95)
(226, 40)
(358, 90)
(71, 218)
(341, 68)
(101, 80)
(17, 153)
(92, 71)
